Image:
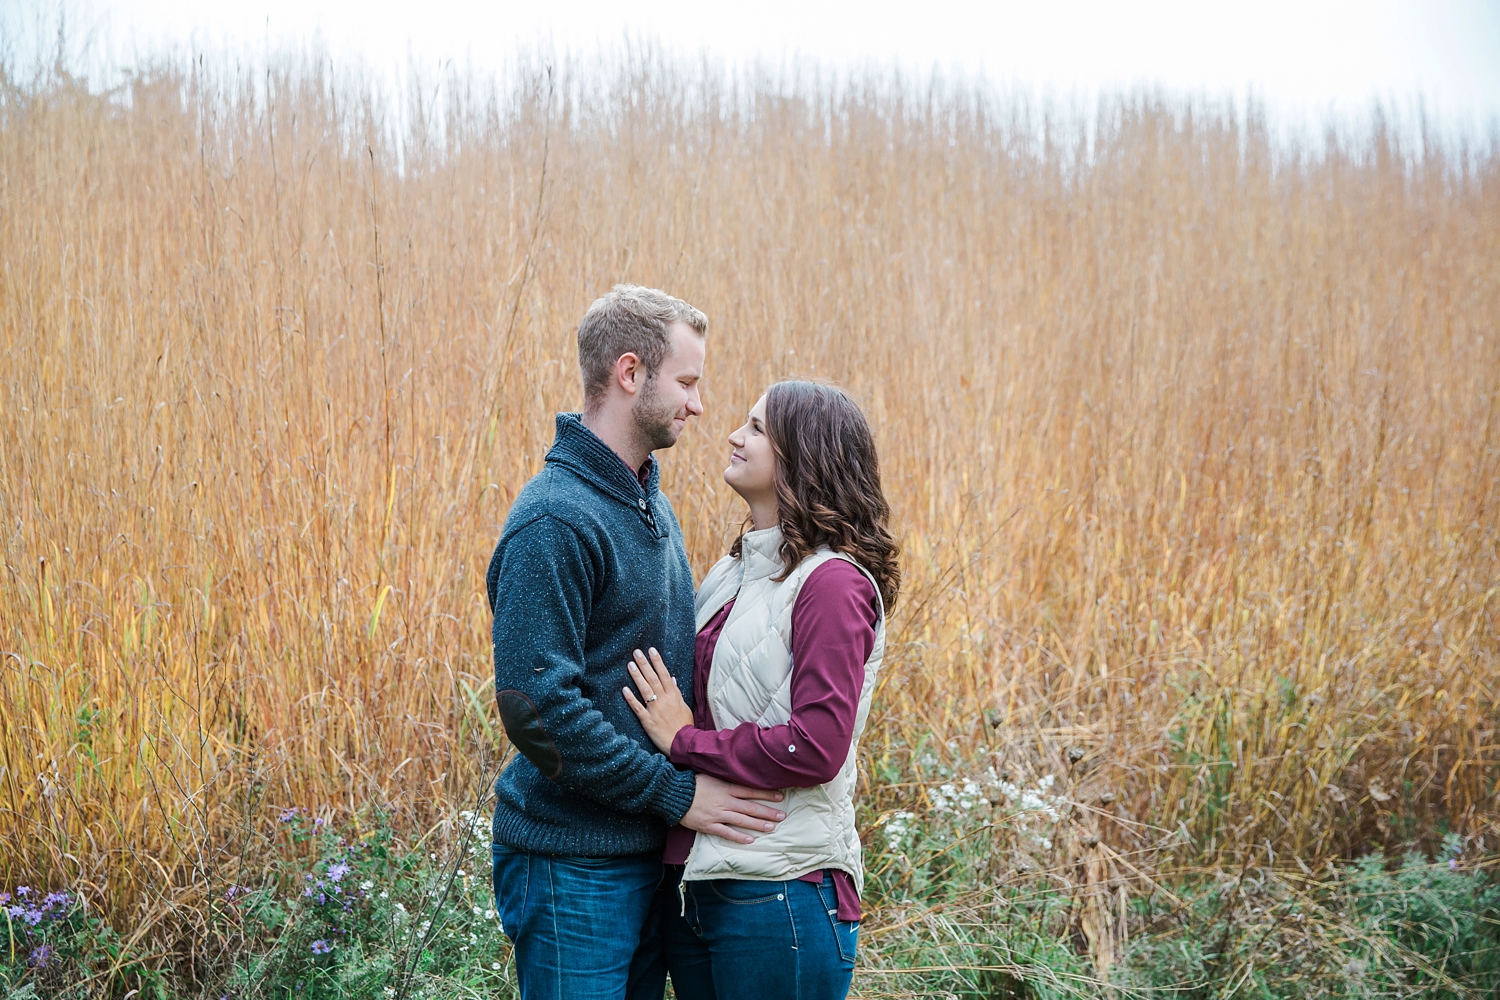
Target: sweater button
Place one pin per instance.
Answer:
(642, 502)
(791, 748)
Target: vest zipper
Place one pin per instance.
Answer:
(686, 864)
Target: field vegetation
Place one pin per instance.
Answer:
(1192, 436)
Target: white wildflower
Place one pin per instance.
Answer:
(477, 822)
(897, 828)
(943, 798)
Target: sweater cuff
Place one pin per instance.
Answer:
(677, 797)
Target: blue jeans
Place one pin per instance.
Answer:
(744, 940)
(584, 928)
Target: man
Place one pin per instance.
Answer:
(589, 568)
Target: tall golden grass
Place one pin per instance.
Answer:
(1191, 436)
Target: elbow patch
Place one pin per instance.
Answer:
(523, 724)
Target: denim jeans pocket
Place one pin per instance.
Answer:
(509, 878)
(846, 936)
(845, 932)
(746, 891)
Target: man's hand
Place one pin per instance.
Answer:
(728, 811)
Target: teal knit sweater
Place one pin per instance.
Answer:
(589, 567)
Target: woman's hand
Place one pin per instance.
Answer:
(660, 707)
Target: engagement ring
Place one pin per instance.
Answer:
(652, 698)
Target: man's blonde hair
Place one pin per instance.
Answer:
(629, 319)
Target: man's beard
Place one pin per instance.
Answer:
(653, 419)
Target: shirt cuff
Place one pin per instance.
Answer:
(682, 745)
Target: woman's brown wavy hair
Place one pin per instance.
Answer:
(828, 482)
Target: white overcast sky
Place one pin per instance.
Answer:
(1311, 56)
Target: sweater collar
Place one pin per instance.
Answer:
(582, 450)
(760, 553)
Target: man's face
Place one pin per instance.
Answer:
(664, 404)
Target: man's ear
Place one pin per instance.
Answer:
(628, 372)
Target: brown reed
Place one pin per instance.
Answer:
(1191, 436)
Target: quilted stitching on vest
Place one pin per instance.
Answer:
(751, 682)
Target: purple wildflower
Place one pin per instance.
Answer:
(33, 916)
(23, 890)
(287, 815)
(1453, 864)
(321, 947)
(338, 871)
(15, 912)
(4, 898)
(40, 956)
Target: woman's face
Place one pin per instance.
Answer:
(752, 464)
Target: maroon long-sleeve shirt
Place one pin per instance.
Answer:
(833, 632)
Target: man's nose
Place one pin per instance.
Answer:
(695, 403)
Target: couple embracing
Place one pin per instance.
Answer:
(682, 799)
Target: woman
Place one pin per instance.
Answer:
(791, 633)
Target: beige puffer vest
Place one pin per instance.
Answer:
(751, 681)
